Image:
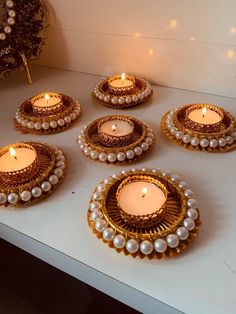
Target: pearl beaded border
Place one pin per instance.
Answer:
(44, 187)
(171, 244)
(111, 155)
(126, 101)
(225, 142)
(10, 20)
(47, 124)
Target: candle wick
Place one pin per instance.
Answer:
(15, 157)
(143, 195)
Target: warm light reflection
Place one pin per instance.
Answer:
(150, 52)
(204, 111)
(232, 30)
(113, 127)
(12, 152)
(47, 97)
(230, 54)
(136, 34)
(173, 23)
(144, 192)
(123, 76)
(192, 38)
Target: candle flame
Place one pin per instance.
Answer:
(204, 111)
(47, 97)
(123, 76)
(144, 192)
(113, 127)
(12, 152)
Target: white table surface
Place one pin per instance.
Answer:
(203, 280)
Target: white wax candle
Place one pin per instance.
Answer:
(141, 198)
(46, 101)
(23, 158)
(204, 116)
(121, 82)
(116, 127)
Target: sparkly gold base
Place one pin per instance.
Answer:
(167, 238)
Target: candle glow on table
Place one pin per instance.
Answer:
(46, 101)
(116, 127)
(204, 116)
(141, 198)
(121, 82)
(17, 159)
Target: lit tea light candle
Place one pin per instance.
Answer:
(46, 100)
(16, 159)
(121, 81)
(204, 116)
(141, 198)
(116, 127)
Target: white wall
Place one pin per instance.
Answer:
(188, 44)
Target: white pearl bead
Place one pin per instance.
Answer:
(94, 206)
(182, 233)
(94, 154)
(53, 179)
(12, 198)
(229, 140)
(204, 142)
(222, 142)
(130, 154)
(140, 96)
(3, 198)
(101, 97)
(172, 240)
(213, 143)
(188, 193)
(146, 247)
(121, 100)
(178, 135)
(45, 125)
(148, 140)
(234, 135)
(7, 29)
(87, 150)
(138, 151)
(175, 178)
(96, 196)
(108, 234)
(133, 169)
(173, 130)
(100, 224)
(132, 246)
(61, 164)
(46, 186)
(166, 173)
(102, 156)
(107, 98)
(107, 180)
(192, 203)
(36, 191)
(61, 157)
(121, 156)
(119, 241)
(150, 134)
(128, 99)
(192, 213)
(37, 125)
(2, 36)
(67, 119)
(186, 138)
(134, 98)
(58, 172)
(81, 147)
(10, 3)
(60, 122)
(144, 146)
(160, 245)
(114, 100)
(95, 215)
(189, 224)
(101, 187)
(111, 157)
(11, 21)
(25, 195)
(53, 124)
(30, 125)
(183, 185)
(72, 116)
(194, 141)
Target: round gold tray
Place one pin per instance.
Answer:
(92, 147)
(175, 129)
(34, 186)
(141, 93)
(55, 119)
(168, 237)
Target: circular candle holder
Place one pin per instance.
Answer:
(38, 119)
(93, 147)
(35, 182)
(215, 137)
(166, 237)
(122, 97)
(111, 140)
(142, 221)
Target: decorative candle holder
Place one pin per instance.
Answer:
(166, 237)
(30, 184)
(112, 140)
(47, 113)
(137, 91)
(147, 220)
(217, 134)
(98, 147)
